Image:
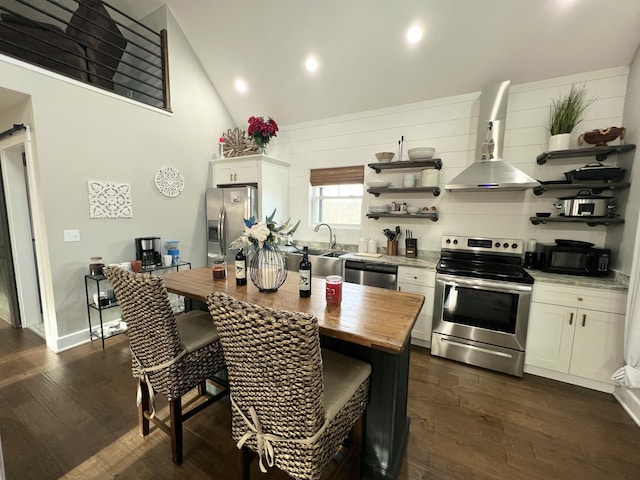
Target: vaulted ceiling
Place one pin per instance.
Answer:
(365, 61)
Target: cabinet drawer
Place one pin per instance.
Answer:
(416, 276)
(588, 298)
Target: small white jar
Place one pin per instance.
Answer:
(409, 181)
(372, 246)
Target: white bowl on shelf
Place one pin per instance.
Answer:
(384, 157)
(378, 184)
(422, 153)
(413, 210)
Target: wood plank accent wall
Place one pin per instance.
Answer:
(450, 125)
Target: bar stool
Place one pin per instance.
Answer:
(293, 404)
(170, 354)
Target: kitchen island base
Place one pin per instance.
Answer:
(386, 425)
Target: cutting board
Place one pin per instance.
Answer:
(374, 255)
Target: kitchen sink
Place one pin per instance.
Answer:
(333, 254)
(323, 262)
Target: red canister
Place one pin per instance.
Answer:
(334, 290)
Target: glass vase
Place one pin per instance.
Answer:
(268, 269)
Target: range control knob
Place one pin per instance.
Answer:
(514, 245)
(505, 245)
(447, 241)
(455, 242)
(497, 244)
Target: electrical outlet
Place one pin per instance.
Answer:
(72, 235)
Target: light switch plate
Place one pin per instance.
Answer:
(72, 235)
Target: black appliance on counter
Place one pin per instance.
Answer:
(573, 257)
(481, 303)
(148, 252)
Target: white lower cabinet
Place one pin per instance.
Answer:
(416, 280)
(575, 335)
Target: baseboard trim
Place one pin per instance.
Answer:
(72, 340)
(421, 343)
(630, 401)
(566, 378)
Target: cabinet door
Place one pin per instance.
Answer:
(598, 345)
(550, 336)
(422, 328)
(223, 174)
(246, 171)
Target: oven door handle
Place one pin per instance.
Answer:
(479, 349)
(483, 284)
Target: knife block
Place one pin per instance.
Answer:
(411, 247)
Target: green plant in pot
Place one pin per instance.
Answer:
(565, 113)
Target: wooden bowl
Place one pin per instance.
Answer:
(600, 137)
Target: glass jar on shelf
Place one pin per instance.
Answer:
(96, 266)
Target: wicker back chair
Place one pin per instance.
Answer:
(293, 404)
(170, 354)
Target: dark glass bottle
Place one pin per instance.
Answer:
(241, 268)
(305, 274)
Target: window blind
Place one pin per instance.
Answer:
(319, 177)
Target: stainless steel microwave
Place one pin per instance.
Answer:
(574, 260)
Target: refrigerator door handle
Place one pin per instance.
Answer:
(222, 231)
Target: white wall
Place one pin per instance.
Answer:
(82, 133)
(626, 237)
(450, 125)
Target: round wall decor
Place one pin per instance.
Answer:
(169, 181)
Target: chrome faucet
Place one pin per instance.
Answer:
(332, 237)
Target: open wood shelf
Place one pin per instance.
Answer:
(596, 188)
(432, 162)
(432, 216)
(590, 221)
(600, 153)
(378, 191)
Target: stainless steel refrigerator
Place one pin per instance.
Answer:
(226, 210)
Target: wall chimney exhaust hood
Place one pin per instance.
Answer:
(489, 171)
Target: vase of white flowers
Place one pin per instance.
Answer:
(267, 265)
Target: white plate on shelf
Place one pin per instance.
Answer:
(380, 184)
(398, 213)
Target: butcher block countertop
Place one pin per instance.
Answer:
(372, 317)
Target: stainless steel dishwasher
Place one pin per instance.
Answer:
(373, 274)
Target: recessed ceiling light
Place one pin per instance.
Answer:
(414, 34)
(241, 86)
(311, 64)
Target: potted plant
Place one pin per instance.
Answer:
(565, 113)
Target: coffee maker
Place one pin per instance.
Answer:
(147, 251)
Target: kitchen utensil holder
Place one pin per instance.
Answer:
(411, 247)
(392, 247)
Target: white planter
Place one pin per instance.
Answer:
(559, 142)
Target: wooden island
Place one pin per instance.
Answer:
(372, 324)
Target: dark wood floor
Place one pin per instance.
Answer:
(73, 416)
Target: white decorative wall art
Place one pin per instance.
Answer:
(110, 200)
(169, 181)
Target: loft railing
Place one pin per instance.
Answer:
(91, 41)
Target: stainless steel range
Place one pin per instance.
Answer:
(481, 305)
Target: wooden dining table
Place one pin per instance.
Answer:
(372, 324)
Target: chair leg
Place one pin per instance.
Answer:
(202, 387)
(143, 422)
(175, 412)
(247, 457)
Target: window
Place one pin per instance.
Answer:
(337, 195)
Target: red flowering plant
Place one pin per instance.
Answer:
(262, 130)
